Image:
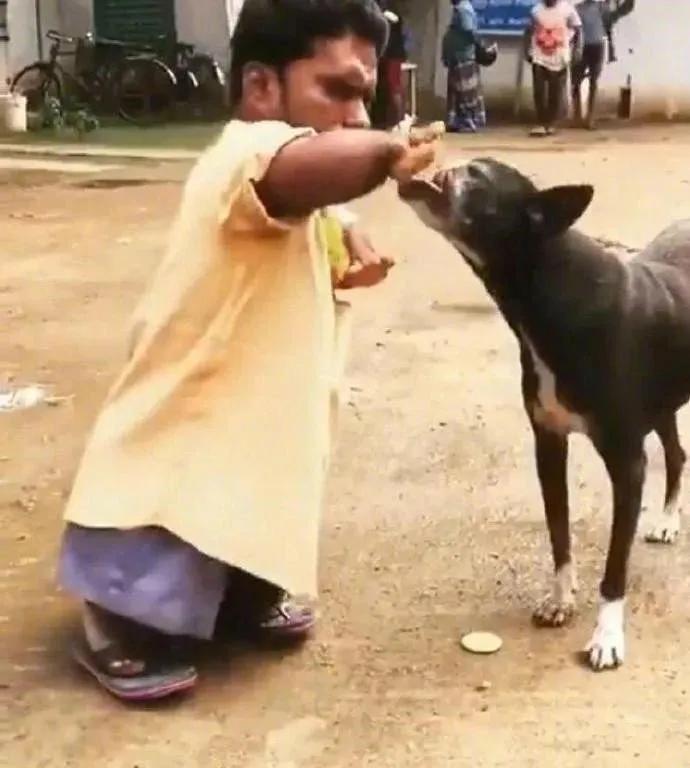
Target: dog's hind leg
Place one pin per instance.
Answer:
(626, 464)
(552, 459)
(666, 525)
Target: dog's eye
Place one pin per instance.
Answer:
(480, 203)
(473, 171)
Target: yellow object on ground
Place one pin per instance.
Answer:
(481, 642)
(333, 235)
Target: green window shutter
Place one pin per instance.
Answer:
(4, 36)
(134, 20)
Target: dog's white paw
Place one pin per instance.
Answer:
(559, 607)
(665, 528)
(606, 649)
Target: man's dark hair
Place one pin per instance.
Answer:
(278, 32)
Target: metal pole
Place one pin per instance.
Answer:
(39, 30)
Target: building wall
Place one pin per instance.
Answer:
(21, 28)
(204, 23)
(422, 22)
(652, 49)
(27, 37)
(651, 46)
(233, 8)
(75, 17)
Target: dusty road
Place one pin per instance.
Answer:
(433, 524)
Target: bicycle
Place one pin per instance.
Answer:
(131, 82)
(200, 82)
(42, 82)
(144, 86)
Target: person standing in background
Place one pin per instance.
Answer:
(596, 26)
(598, 18)
(552, 38)
(465, 111)
(388, 109)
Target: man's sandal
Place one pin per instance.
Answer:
(283, 621)
(134, 679)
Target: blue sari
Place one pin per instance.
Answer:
(465, 110)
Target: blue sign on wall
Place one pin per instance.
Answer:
(503, 17)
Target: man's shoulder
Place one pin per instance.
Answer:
(241, 134)
(242, 150)
(241, 141)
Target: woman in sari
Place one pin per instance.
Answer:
(465, 103)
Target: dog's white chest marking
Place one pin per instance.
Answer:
(549, 411)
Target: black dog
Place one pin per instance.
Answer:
(605, 350)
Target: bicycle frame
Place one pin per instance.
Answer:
(65, 77)
(111, 75)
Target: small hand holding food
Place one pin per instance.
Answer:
(367, 267)
(416, 152)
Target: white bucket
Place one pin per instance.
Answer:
(13, 112)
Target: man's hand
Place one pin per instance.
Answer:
(415, 152)
(367, 267)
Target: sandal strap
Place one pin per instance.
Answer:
(112, 660)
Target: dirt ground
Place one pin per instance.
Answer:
(433, 524)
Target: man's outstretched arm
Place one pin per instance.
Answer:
(335, 167)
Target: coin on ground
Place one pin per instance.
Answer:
(481, 642)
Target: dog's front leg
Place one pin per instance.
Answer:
(627, 469)
(552, 459)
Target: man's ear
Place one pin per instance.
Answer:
(261, 91)
(553, 211)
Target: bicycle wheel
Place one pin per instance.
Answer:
(145, 90)
(105, 96)
(38, 83)
(209, 95)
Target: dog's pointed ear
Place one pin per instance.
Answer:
(553, 211)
